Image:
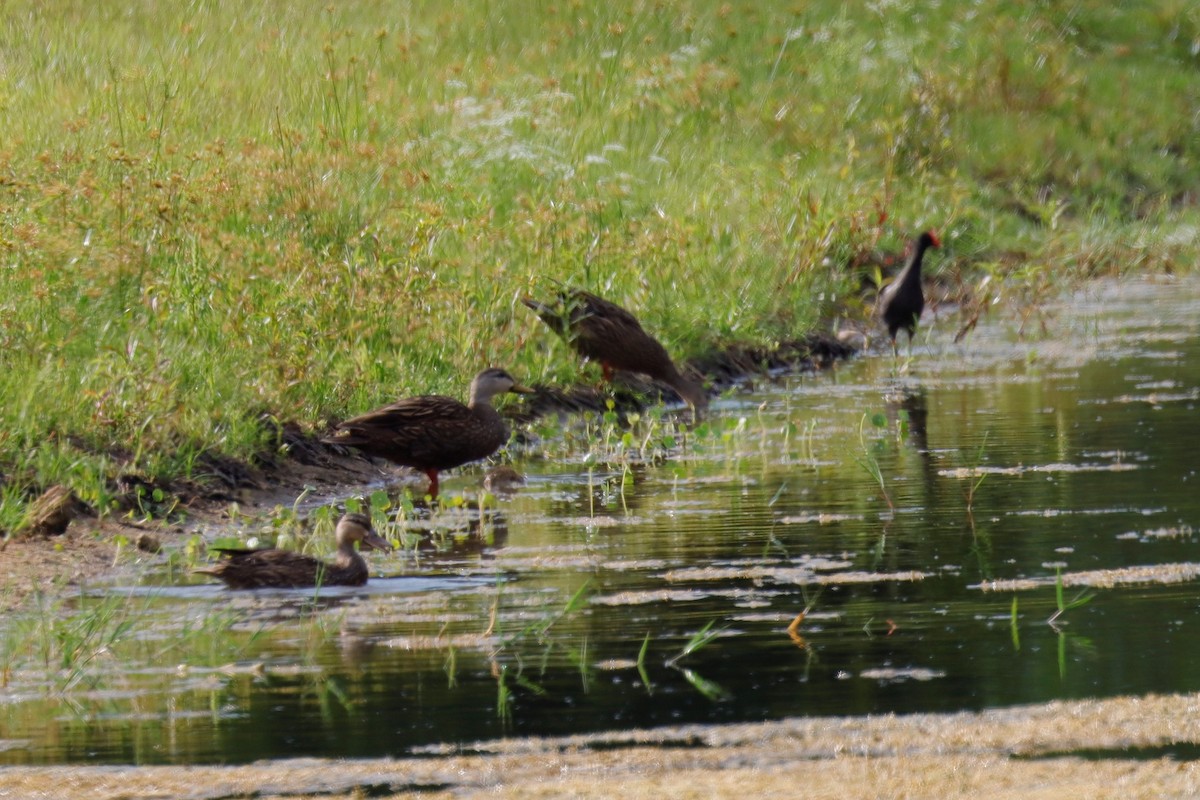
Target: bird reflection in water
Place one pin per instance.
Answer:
(907, 409)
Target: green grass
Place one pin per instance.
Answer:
(213, 211)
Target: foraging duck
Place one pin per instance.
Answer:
(603, 331)
(284, 569)
(902, 302)
(432, 433)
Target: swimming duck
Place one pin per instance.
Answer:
(433, 433)
(902, 302)
(258, 569)
(603, 331)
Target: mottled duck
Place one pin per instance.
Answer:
(433, 433)
(603, 331)
(259, 569)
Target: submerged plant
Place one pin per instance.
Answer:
(330, 694)
(504, 690)
(641, 664)
(503, 696)
(806, 441)
(576, 602)
(1012, 625)
(710, 689)
(698, 641)
(976, 475)
(450, 666)
(1084, 597)
(1064, 639)
(539, 629)
(867, 458)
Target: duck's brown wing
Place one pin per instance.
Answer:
(603, 331)
(576, 307)
(409, 412)
(608, 333)
(431, 432)
(256, 569)
(585, 305)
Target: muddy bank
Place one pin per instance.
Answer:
(1133, 747)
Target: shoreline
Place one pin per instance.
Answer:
(1116, 747)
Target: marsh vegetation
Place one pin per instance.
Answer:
(217, 218)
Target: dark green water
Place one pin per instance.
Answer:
(1086, 438)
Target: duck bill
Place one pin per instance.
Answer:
(373, 541)
(519, 389)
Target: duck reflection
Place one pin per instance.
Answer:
(465, 531)
(605, 490)
(503, 481)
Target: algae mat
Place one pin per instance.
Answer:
(1123, 747)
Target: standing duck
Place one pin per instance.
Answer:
(284, 569)
(432, 433)
(602, 331)
(902, 302)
